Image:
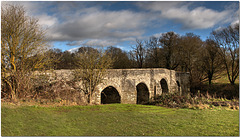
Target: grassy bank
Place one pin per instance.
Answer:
(224, 79)
(117, 119)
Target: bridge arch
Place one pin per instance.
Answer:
(164, 85)
(110, 95)
(142, 93)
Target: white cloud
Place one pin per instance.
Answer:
(157, 35)
(100, 43)
(93, 42)
(234, 22)
(196, 18)
(73, 50)
(46, 20)
(120, 47)
(219, 29)
(100, 25)
(159, 5)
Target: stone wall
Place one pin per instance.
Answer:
(184, 80)
(125, 82)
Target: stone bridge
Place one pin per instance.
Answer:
(131, 86)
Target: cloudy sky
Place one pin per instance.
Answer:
(78, 23)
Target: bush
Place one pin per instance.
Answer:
(60, 91)
(45, 88)
(198, 101)
(217, 90)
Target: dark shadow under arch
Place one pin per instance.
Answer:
(164, 86)
(110, 95)
(142, 93)
(178, 84)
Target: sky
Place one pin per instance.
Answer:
(72, 24)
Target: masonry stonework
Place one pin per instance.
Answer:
(125, 82)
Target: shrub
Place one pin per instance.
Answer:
(199, 101)
(217, 90)
(45, 88)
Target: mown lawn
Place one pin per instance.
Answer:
(117, 120)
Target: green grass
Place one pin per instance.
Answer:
(117, 120)
(224, 80)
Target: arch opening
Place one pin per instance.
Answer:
(110, 95)
(164, 86)
(178, 84)
(142, 93)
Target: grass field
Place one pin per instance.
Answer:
(224, 80)
(117, 120)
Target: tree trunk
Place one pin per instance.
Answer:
(209, 81)
(210, 78)
(90, 92)
(232, 82)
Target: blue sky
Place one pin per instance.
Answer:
(113, 23)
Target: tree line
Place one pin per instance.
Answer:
(204, 60)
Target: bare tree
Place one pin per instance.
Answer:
(67, 60)
(228, 43)
(189, 52)
(211, 62)
(138, 53)
(169, 44)
(119, 57)
(153, 53)
(92, 66)
(21, 39)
